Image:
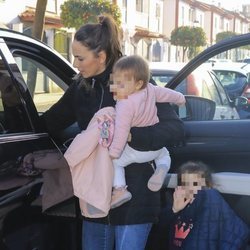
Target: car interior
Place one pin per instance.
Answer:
(13, 117)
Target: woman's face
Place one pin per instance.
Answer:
(86, 61)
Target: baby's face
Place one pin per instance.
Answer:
(123, 85)
(192, 183)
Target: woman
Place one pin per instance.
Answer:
(96, 47)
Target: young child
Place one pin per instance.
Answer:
(136, 107)
(201, 217)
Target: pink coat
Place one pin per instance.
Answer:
(139, 110)
(91, 169)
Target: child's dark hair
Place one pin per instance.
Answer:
(193, 167)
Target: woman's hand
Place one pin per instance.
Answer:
(179, 199)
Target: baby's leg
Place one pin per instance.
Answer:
(162, 163)
(120, 194)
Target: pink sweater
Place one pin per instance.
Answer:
(139, 110)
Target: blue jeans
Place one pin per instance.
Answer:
(97, 236)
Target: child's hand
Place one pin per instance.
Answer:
(129, 137)
(180, 201)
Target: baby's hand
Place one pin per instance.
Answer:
(129, 137)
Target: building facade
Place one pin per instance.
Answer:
(146, 24)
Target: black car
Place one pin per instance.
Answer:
(33, 77)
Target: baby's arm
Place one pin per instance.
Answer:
(168, 132)
(123, 120)
(169, 95)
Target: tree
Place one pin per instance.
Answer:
(224, 35)
(75, 13)
(227, 35)
(38, 25)
(37, 32)
(190, 38)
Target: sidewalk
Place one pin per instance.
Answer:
(44, 101)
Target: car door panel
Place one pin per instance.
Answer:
(12, 151)
(221, 144)
(21, 135)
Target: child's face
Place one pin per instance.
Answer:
(123, 85)
(192, 183)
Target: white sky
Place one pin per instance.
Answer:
(228, 4)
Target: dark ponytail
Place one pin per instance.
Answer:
(102, 36)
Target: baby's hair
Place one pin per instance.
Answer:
(195, 167)
(136, 66)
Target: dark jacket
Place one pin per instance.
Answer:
(209, 223)
(79, 103)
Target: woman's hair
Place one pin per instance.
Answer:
(136, 66)
(195, 167)
(102, 36)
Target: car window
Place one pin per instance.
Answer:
(206, 97)
(13, 115)
(234, 76)
(203, 84)
(44, 86)
(233, 82)
(162, 80)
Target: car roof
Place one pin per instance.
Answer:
(13, 36)
(233, 67)
(209, 52)
(163, 67)
(173, 68)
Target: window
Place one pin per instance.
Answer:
(158, 11)
(61, 43)
(191, 15)
(13, 116)
(124, 3)
(182, 16)
(142, 6)
(203, 87)
(44, 86)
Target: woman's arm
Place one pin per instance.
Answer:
(168, 132)
(61, 114)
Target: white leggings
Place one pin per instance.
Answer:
(130, 155)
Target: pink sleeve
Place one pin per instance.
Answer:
(123, 122)
(168, 95)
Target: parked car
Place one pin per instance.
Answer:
(246, 60)
(235, 78)
(162, 72)
(223, 144)
(201, 83)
